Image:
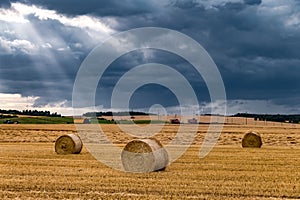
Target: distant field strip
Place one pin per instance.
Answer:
(288, 135)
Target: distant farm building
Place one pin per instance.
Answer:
(192, 121)
(174, 121)
(86, 121)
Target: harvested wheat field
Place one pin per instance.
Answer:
(30, 168)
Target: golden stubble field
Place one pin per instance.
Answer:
(30, 169)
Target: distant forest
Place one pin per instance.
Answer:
(109, 113)
(257, 117)
(29, 113)
(268, 117)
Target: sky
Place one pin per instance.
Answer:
(254, 44)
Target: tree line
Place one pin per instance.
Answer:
(30, 113)
(270, 117)
(109, 113)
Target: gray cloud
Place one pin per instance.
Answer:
(254, 43)
(4, 3)
(97, 7)
(48, 69)
(253, 2)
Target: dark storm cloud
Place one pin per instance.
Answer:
(152, 93)
(36, 76)
(254, 43)
(4, 4)
(49, 71)
(252, 2)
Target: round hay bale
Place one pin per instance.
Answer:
(68, 144)
(144, 155)
(251, 140)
